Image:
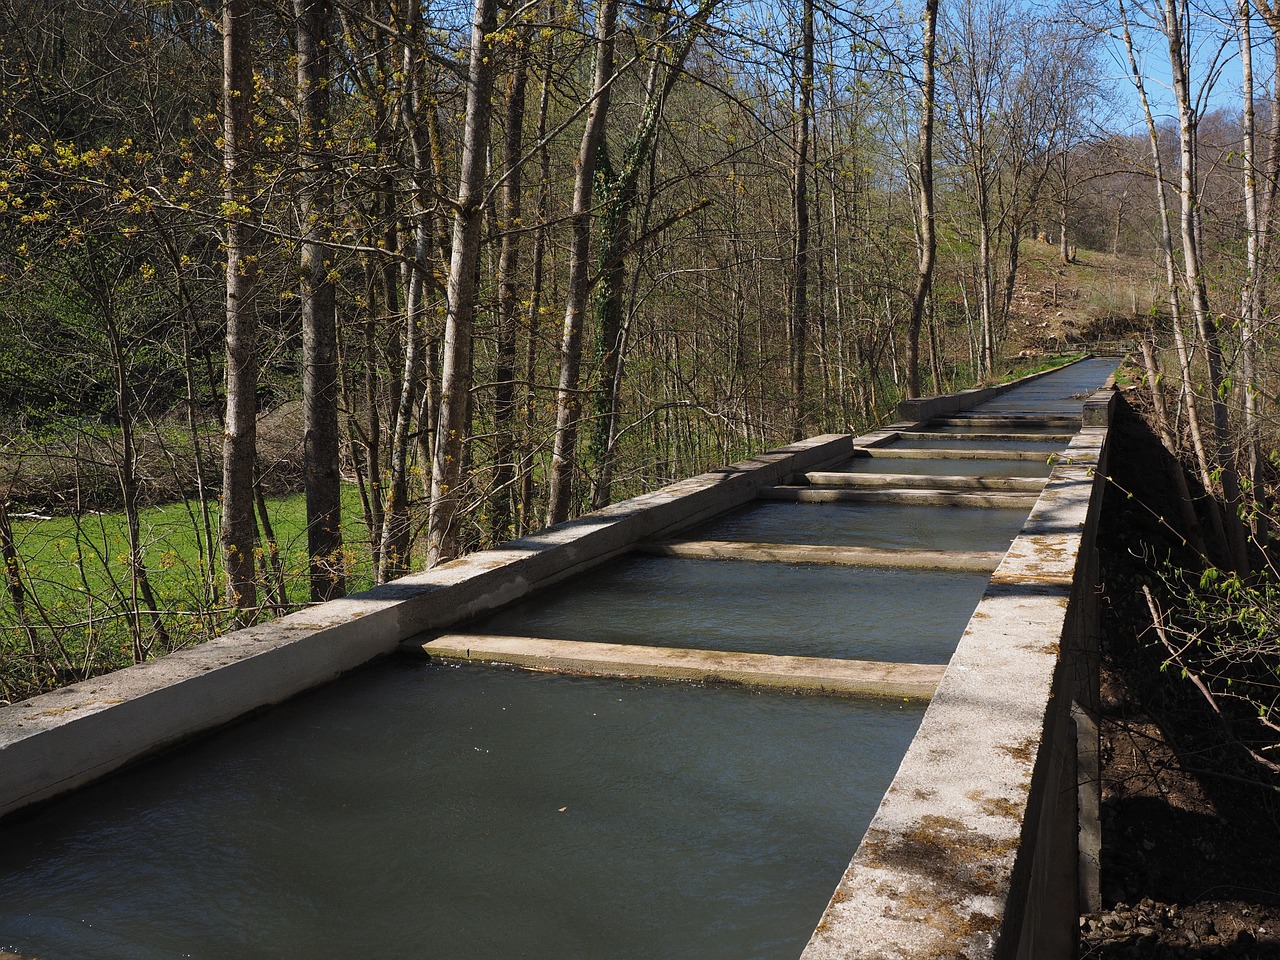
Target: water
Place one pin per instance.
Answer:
(465, 813)
(949, 468)
(1061, 392)
(906, 616)
(884, 525)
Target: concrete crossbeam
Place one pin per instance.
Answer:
(1026, 422)
(961, 561)
(925, 481)
(1063, 438)
(961, 453)
(924, 498)
(809, 674)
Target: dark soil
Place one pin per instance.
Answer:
(1190, 825)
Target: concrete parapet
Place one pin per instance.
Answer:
(61, 740)
(973, 852)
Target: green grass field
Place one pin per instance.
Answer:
(75, 576)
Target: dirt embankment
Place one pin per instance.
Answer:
(1191, 827)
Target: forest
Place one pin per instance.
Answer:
(299, 297)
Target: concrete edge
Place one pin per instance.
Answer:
(973, 850)
(926, 481)
(61, 740)
(815, 675)
(941, 453)
(919, 497)
(1062, 438)
(960, 561)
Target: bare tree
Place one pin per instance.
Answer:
(926, 240)
(239, 446)
(321, 477)
(568, 398)
(468, 222)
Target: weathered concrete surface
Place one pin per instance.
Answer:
(973, 851)
(819, 478)
(980, 437)
(960, 453)
(809, 674)
(61, 740)
(919, 497)
(1024, 423)
(962, 561)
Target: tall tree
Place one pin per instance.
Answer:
(1173, 12)
(468, 222)
(321, 477)
(617, 189)
(927, 243)
(504, 400)
(799, 312)
(568, 399)
(239, 447)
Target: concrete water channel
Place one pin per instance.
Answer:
(653, 785)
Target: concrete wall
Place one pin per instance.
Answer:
(973, 851)
(61, 740)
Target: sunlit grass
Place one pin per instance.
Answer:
(84, 609)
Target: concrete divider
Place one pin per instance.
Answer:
(925, 481)
(894, 558)
(922, 498)
(979, 849)
(828, 676)
(61, 740)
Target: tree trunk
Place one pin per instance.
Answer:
(320, 468)
(1251, 294)
(239, 447)
(1194, 282)
(617, 190)
(927, 241)
(504, 404)
(568, 401)
(397, 524)
(528, 513)
(1171, 282)
(468, 222)
(799, 320)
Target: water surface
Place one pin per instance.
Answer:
(884, 525)
(948, 468)
(411, 812)
(907, 616)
